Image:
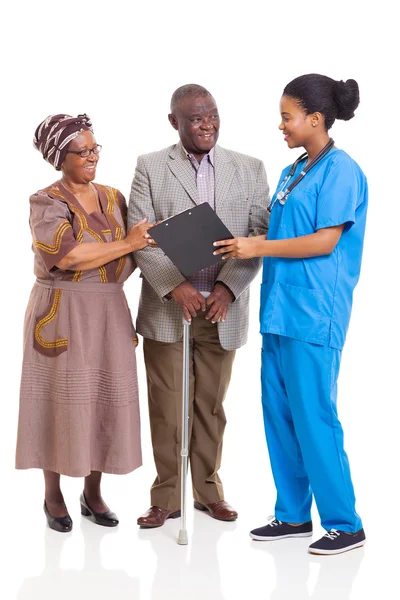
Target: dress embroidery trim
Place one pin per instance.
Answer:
(120, 267)
(111, 194)
(46, 320)
(83, 224)
(57, 239)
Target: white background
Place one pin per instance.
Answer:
(120, 62)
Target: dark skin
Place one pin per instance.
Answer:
(77, 175)
(300, 130)
(197, 121)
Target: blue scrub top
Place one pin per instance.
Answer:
(310, 299)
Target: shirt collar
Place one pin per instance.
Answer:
(210, 155)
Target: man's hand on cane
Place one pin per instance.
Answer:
(219, 300)
(188, 299)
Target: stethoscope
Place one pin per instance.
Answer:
(283, 194)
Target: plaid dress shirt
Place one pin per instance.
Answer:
(204, 177)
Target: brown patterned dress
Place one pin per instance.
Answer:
(79, 408)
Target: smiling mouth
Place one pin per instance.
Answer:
(207, 136)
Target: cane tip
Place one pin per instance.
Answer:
(183, 537)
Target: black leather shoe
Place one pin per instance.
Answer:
(61, 524)
(107, 519)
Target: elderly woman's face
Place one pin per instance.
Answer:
(76, 168)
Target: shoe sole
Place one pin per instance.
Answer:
(203, 508)
(339, 551)
(174, 515)
(271, 538)
(85, 512)
(59, 530)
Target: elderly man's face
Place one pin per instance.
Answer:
(197, 121)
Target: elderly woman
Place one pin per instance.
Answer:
(79, 411)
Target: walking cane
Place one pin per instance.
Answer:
(183, 536)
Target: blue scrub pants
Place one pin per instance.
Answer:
(304, 434)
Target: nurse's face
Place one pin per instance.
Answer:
(296, 126)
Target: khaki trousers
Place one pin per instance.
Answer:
(210, 370)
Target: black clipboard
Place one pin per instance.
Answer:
(187, 238)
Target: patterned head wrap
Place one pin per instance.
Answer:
(55, 133)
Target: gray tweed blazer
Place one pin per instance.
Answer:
(164, 185)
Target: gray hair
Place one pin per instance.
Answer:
(190, 89)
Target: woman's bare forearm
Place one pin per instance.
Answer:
(320, 243)
(306, 246)
(91, 255)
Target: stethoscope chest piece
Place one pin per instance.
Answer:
(282, 197)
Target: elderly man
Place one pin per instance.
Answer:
(167, 182)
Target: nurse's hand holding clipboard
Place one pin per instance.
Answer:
(320, 243)
(240, 247)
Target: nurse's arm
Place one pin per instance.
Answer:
(320, 243)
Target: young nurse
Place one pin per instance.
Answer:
(311, 267)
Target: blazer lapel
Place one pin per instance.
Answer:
(224, 172)
(183, 171)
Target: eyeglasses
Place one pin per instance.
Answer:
(87, 152)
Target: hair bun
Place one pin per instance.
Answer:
(347, 98)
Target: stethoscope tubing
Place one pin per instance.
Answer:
(282, 195)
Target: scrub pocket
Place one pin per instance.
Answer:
(295, 312)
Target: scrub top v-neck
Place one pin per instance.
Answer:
(310, 299)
